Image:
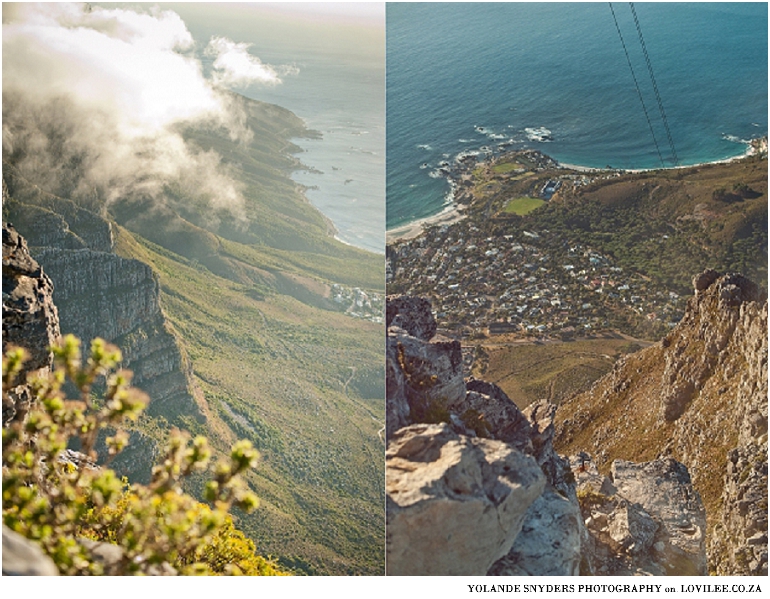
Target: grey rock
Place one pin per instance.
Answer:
(422, 377)
(103, 295)
(702, 281)
(30, 317)
(22, 557)
(454, 504)
(664, 490)
(550, 542)
(501, 418)
(693, 350)
(413, 314)
(631, 528)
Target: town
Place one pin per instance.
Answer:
(540, 250)
(358, 303)
(535, 285)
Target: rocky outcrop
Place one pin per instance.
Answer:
(664, 491)
(739, 540)
(22, 557)
(47, 220)
(642, 520)
(704, 332)
(455, 504)
(103, 295)
(550, 543)
(30, 318)
(553, 537)
(424, 374)
(454, 471)
(700, 397)
(447, 480)
(99, 294)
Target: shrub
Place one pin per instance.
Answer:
(56, 501)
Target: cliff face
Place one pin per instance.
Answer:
(699, 396)
(462, 458)
(30, 318)
(99, 294)
(103, 295)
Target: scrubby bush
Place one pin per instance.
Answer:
(59, 498)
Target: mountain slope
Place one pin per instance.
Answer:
(699, 396)
(256, 295)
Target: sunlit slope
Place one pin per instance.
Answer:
(274, 223)
(284, 375)
(275, 360)
(243, 295)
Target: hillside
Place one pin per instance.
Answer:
(699, 396)
(270, 328)
(609, 250)
(559, 285)
(474, 484)
(531, 371)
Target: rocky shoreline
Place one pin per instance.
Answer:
(460, 172)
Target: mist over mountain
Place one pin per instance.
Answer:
(95, 101)
(160, 203)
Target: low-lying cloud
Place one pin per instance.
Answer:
(234, 66)
(94, 100)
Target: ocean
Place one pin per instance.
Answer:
(467, 77)
(337, 88)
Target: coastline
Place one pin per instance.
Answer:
(449, 215)
(751, 150)
(452, 213)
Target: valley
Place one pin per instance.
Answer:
(275, 325)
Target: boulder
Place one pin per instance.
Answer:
(550, 542)
(22, 557)
(455, 504)
(497, 414)
(424, 379)
(664, 490)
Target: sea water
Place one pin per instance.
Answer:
(465, 78)
(335, 82)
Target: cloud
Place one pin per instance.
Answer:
(94, 100)
(234, 66)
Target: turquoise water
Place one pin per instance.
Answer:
(338, 89)
(465, 76)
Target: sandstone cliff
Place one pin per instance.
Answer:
(474, 485)
(99, 294)
(30, 318)
(699, 396)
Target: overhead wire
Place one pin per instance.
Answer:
(654, 83)
(636, 83)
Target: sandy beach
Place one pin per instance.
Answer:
(453, 213)
(754, 146)
(450, 214)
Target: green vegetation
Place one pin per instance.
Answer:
(273, 370)
(666, 225)
(522, 205)
(57, 502)
(505, 167)
(274, 358)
